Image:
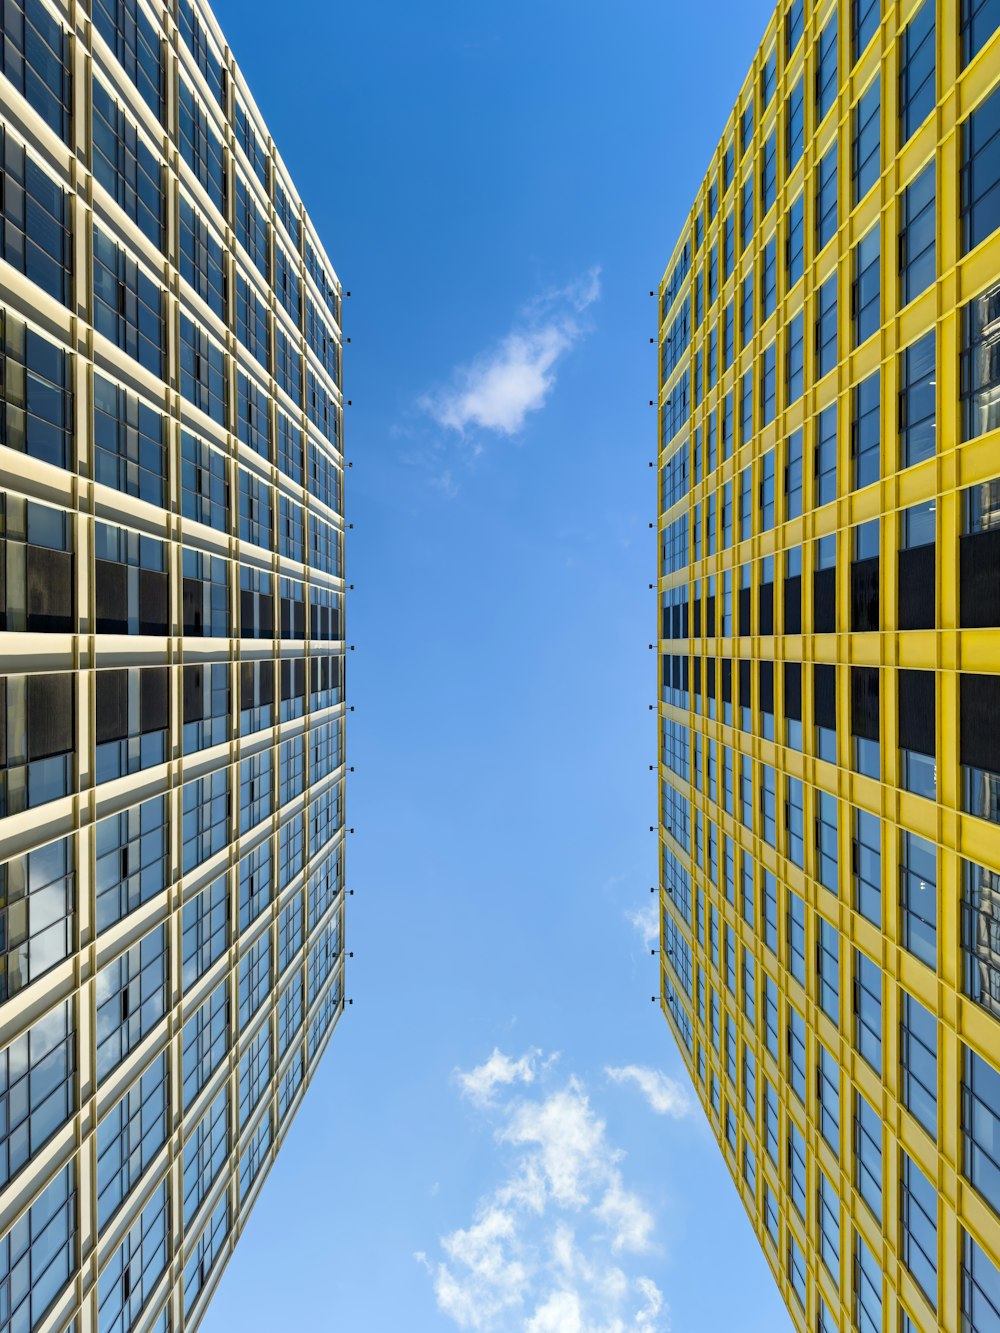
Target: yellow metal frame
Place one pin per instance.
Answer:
(946, 650)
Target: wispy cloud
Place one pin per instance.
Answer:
(497, 389)
(646, 921)
(553, 1247)
(480, 1084)
(665, 1095)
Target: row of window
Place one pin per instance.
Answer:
(36, 57)
(39, 1255)
(978, 21)
(824, 1095)
(132, 729)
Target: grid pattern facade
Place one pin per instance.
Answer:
(829, 666)
(171, 682)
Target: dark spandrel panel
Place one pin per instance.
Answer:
(50, 715)
(111, 705)
(111, 597)
(917, 711)
(153, 602)
(824, 601)
(916, 587)
(980, 721)
(793, 691)
(793, 604)
(49, 590)
(765, 608)
(864, 703)
(825, 695)
(979, 579)
(154, 711)
(864, 595)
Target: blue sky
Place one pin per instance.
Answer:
(501, 1137)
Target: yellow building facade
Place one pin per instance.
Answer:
(829, 704)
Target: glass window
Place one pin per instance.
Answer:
(203, 1254)
(129, 1137)
(795, 245)
(826, 69)
(769, 280)
(868, 1154)
(201, 261)
(867, 1279)
(205, 818)
(205, 1154)
(796, 1152)
(826, 328)
(795, 23)
(38, 1088)
(917, 401)
(981, 935)
(917, 244)
(37, 893)
(125, 167)
(981, 363)
(129, 443)
(137, 46)
(828, 1225)
(981, 1126)
(204, 1043)
(980, 20)
(797, 1053)
(128, 1278)
(204, 930)
(128, 306)
(131, 997)
(34, 213)
(131, 852)
(795, 135)
(865, 18)
(254, 979)
(197, 41)
(828, 969)
(918, 1218)
(868, 1010)
(202, 370)
(38, 1253)
(866, 291)
(769, 404)
(980, 178)
(34, 55)
(254, 1073)
(826, 199)
(916, 75)
(769, 173)
(828, 1097)
(796, 937)
(826, 455)
(865, 150)
(866, 441)
(980, 1289)
(200, 146)
(918, 875)
(746, 212)
(918, 1062)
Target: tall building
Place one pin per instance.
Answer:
(829, 709)
(171, 706)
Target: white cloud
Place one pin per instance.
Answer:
(549, 1247)
(647, 922)
(497, 389)
(480, 1084)
(665, 1095)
